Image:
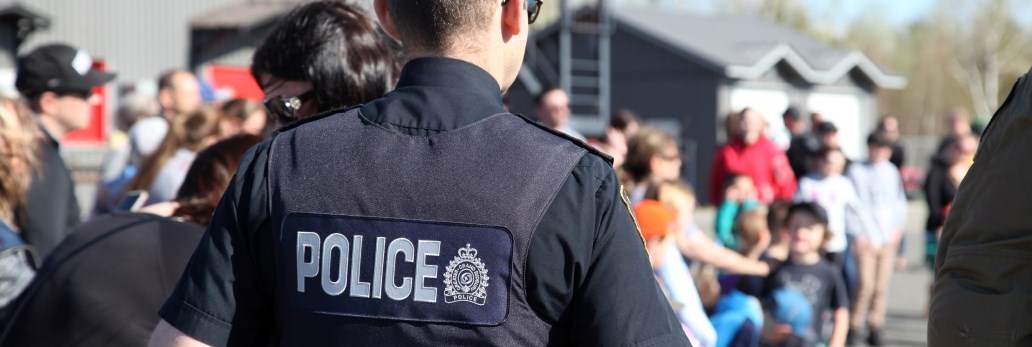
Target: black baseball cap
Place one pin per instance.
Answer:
(813, 209)
(58, 68)
(825, 128)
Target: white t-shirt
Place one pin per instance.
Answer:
(171, 177)
(837, 196)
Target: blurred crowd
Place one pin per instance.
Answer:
(804, 239)
(804, 242)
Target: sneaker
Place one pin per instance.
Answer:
(874, 337)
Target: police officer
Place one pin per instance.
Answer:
(428, 217)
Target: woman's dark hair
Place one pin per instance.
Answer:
(335, 47)
(209, 176)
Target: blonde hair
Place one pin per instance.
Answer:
(20, 137)
(750, 225)
(675, 194)
(190, 131)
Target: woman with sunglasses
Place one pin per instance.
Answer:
(342, 61)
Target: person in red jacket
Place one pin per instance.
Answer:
(752, 154)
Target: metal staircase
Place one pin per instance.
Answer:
(582, 65)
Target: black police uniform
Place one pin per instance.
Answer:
(429, 216)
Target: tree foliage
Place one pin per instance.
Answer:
(964, 54)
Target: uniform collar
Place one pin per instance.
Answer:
(435, 95)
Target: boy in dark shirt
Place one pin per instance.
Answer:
(808, 273)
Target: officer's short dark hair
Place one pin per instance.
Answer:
(335, 47)
(432, 25)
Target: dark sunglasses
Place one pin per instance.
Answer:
(532, 10)
(81, 94)
(286, 107)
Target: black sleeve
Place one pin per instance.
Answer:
(222, 299)
(934, 197)
(839, 296)
(898, 157)
(587, 269)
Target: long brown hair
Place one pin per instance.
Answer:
(647, 143)
(190, 131)
(209, 176)
(19, 137)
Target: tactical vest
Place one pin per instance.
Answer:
(389, 239)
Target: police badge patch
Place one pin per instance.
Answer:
(408, 270)
(465, 278)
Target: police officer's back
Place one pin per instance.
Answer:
(427, 217)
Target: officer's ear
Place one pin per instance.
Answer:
(513, 12)
(386, 19)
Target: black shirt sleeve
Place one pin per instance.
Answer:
(222, 298)
(587, 265)
(839, 296)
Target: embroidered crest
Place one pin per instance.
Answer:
(465, 278)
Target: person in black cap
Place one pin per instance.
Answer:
(430, 216)
(57, 82)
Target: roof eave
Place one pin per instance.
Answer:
(809, 74)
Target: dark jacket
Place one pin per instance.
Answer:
(50, 211)
(980, 296)
(104, 284)
(939, 191)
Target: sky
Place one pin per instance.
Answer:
(837, 14)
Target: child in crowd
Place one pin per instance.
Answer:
(658, 225)
(880, 188)
(693, 244)
(738, 317)
(807, 272)
(788, 319)
(739, 195)
(835, 193)
(777, 222)
(827, 187)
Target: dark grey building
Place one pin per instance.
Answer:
(685, 73)
(229, 35)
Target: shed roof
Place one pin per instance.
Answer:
(746, 48)
(243, 15)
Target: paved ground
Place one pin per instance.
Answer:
(908, 293)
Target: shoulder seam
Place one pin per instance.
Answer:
(563, 135)
(313, 118)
